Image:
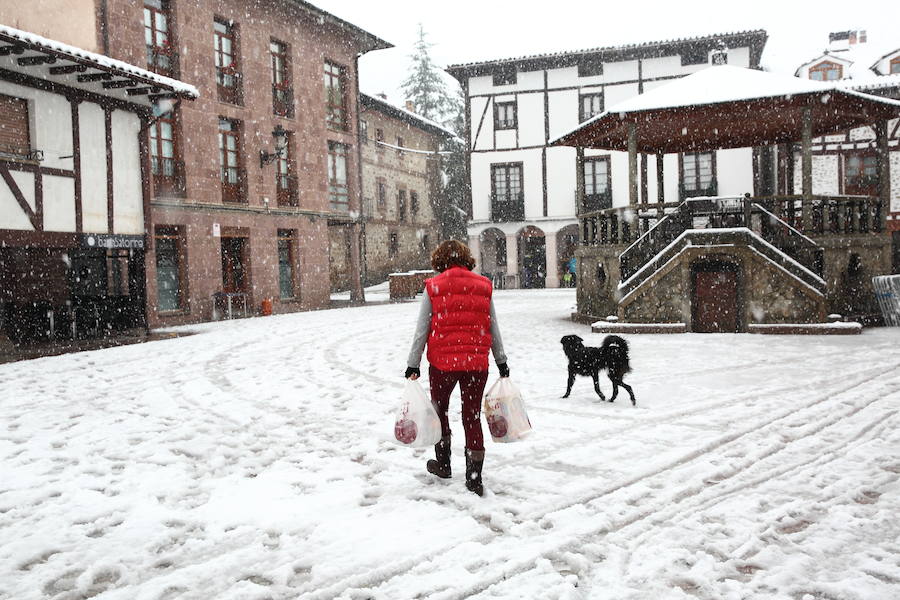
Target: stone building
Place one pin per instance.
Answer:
(401, 183)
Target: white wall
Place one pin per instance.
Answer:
(128, 210)
(92, 130)
(11, 214)
(734, 171)
(531, 119)
(59, 203)
(562, 173)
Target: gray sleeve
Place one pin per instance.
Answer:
(423, 328)
(497, 341)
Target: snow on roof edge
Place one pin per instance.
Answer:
(99, 59)
(411, 115)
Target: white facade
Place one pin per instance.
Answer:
(546, 93)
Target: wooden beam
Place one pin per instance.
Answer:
(660, 180)
(29, 61)
(68, 69)
(7, 50)
(140, 91)
(118, 83)
(883, 156)
(806, 164)
(579, 178)
(164, 96)
(20, 197)
(94, 77)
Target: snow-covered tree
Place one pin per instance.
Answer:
(425, 85)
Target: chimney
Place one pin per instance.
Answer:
(410, 106)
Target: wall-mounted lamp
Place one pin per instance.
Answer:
(280, 136)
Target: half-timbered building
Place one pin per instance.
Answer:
(524, 194)
(74, 186)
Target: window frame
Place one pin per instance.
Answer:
(894, 66)
(401, 205)
(594, 200)
(590, 96)
(282, 91)
(338, 189)
(231, 177)
(336, 113)
(413, 204)
(156, 51)
(287, 238)
(824, 67)
(166, 180)
(861, 184)
(514, 209)
(8, 150)
(393, 244)
(228, 76)
(696, 190)
(508, 122)
(381, 193)
(175, 233)
(287, 192)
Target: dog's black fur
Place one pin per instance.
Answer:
(612, 355)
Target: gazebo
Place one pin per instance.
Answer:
(725, 107)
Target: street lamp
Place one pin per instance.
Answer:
(280, 136)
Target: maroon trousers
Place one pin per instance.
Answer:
(471, 386)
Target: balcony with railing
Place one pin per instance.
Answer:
(283, 100)
(229, 85)
(288, 191)
(510, 207)
(162, 60)
(168, 176)
(234, 185)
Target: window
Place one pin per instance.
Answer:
(228, 75)
(232, 175)
(393, 245)
(335, 96)
(161, 56)
(285, 180)
(507, 201)
(165, 166)
(15, 136)
(505, 115)
(505, 76)
(381, 192)
(597, 177)
(590, 105)
(414, 203)
(400, 146)
(169, 268)
(282, 93)
(338, 192)
(826, 71)
(895, 66)
(117, 273)
(426, 243)
(286, 263)
(861, 174)
(401, 205)
(698, 174)
(590, 68)
(379, 135)
(235, 263)
(364, 132)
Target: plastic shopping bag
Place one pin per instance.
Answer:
(504, 410)
(416, 423)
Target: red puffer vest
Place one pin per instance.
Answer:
(460, 337)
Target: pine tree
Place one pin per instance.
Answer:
(425, 86)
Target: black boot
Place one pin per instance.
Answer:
(441, 466)
(474, 462)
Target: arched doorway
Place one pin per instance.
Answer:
(493, 256)
(566, 244)
(715, 297)
(532, 257)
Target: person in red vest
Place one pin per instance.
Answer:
(458, 322)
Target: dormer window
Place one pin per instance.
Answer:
(826, 71)
(895, 66)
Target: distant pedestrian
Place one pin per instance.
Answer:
(572, 269)
(458, 323)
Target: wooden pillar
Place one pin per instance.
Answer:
(660, 183)
(579, 179)
(645, 188)
(632, 165)
(806, 160)
(884, 172)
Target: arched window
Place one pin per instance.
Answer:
(826, 71)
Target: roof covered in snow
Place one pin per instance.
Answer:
(728, 107)
(32, 56)
(755, 39)
(376, 103)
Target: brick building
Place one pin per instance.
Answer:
(401, 171)
(248, 180)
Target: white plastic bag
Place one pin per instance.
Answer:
(416, 423)
(504, 410)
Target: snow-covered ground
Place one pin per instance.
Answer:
(253, 461)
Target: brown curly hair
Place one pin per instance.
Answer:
(451, 253)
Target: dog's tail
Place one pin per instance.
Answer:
(617, 349)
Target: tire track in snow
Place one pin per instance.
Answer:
(382, 575)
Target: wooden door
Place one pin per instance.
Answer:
(234, 264)
(715, 301)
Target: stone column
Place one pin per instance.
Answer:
(552, 280)
(512, 260)
(475, 247)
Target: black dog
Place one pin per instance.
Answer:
(612, 355)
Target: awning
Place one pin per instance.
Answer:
(40, 62)
(728, 107)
